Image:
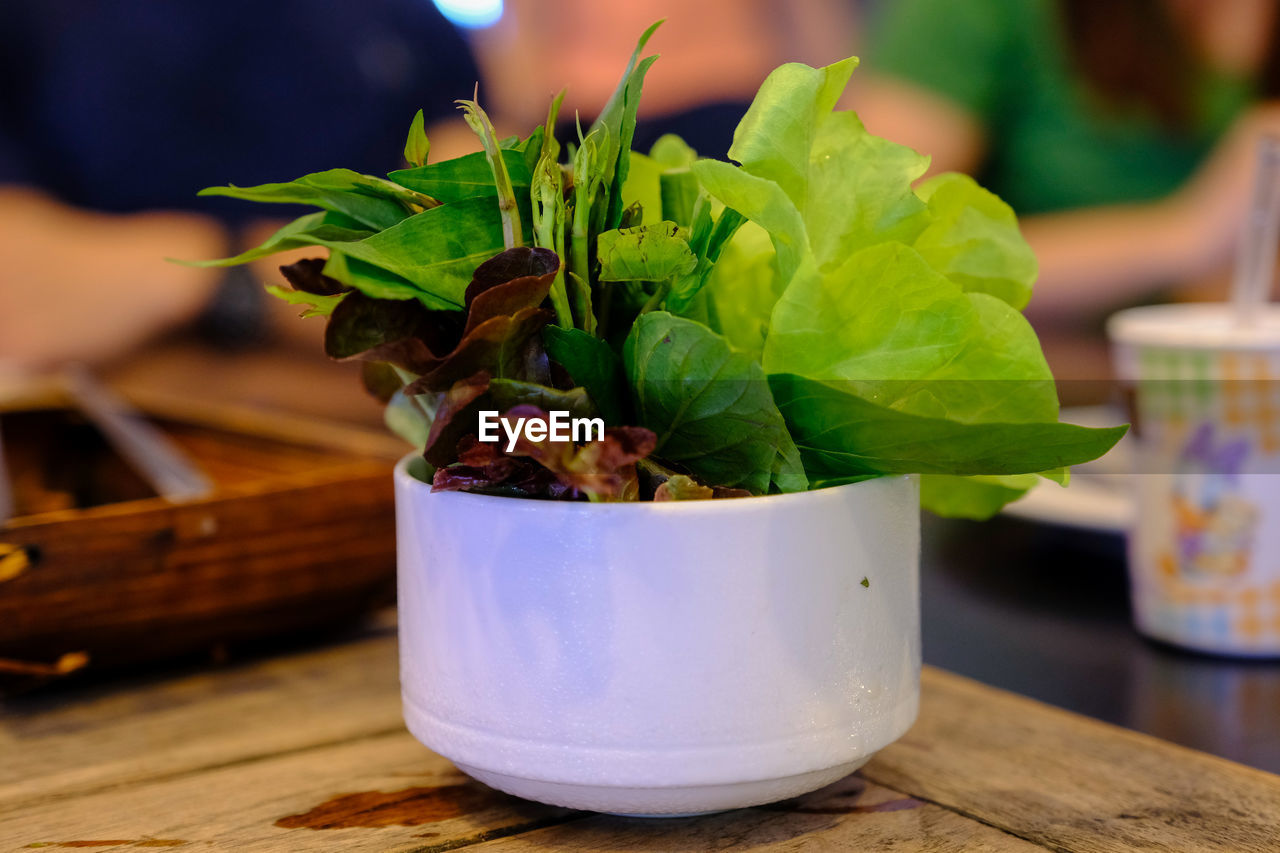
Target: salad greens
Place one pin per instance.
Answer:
(806, 315)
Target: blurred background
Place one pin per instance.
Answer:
(1121, 131)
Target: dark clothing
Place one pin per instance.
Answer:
(708, 129)
(135, 104)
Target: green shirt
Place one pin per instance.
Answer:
(1051, 144)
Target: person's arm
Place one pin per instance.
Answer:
(1094, 258)
(76, 285)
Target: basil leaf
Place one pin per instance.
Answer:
(317, 305)
(368, 200)
(437, 250)
(618, 119)
(313, 229)
(709, 405)
(591, 363)
(840, 434)
(417, 146)
(465, 177)
(374, 281)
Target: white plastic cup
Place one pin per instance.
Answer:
(1204, 551)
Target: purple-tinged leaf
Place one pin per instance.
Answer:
(508, 347)
(484, 468)
(402, 333)
(456, 416)
(509, 265)
(604, 468)
(307, 276)
(508, 298)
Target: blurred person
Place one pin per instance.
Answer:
(113, 116)
(1124, 131)
(714, 56)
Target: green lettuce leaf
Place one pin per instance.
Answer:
(978, 497)
(973, 239)
(763, 202)
(645, 253)
(850, 188)
(672, 152)
(644, 188)
(908, 338)
(678, 191)
(775, 138)
(742, 289)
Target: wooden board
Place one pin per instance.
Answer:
(298, 534)
(307, 753)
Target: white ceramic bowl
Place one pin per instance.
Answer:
(659, 658)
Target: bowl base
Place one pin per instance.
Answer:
(674, 801)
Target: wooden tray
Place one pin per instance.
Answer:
(299, 534)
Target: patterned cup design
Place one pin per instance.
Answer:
(1204, 553)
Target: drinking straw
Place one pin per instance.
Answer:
(1256, 261)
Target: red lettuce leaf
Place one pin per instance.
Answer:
(456, 417)
(510, 347)
(681, 487)
(521, 262)
(604, 468)
(403, 333)
(307, 276)
(483, 467)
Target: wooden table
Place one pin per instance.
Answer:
(306, 752)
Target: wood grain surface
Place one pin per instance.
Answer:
(298, 534)
(307, 753)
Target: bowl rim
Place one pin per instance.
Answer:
(1197, 326)
(411, 485)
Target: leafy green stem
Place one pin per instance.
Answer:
(654, 302)
(409, 378)
(547, 196)
(478, 120)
